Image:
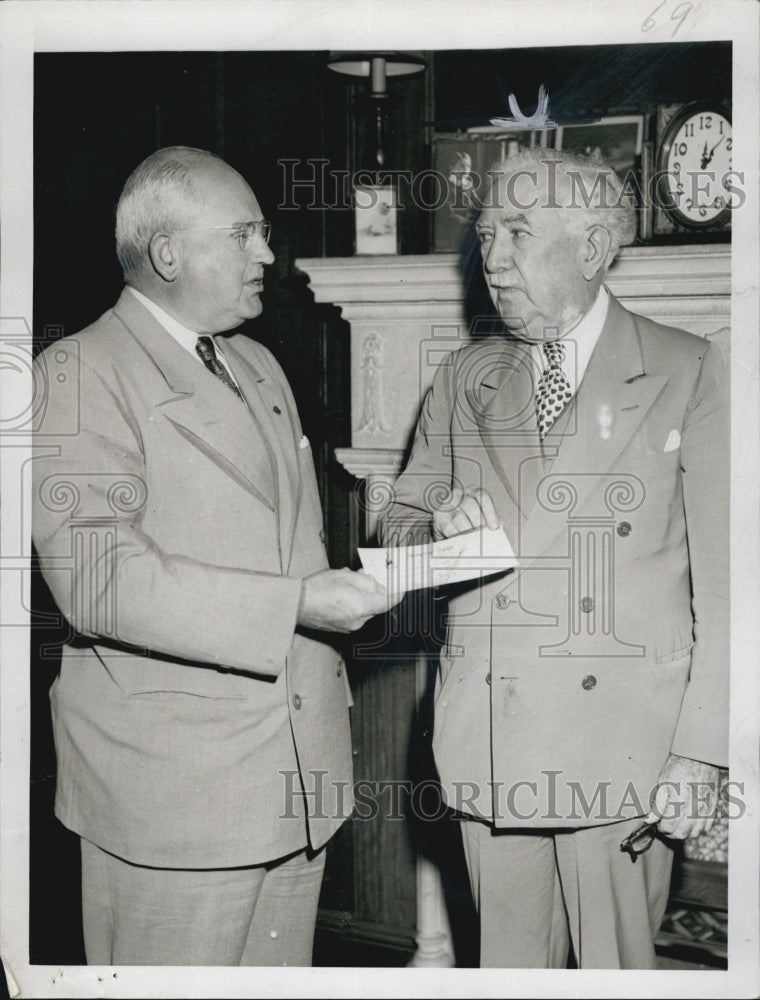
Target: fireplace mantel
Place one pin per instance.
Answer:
(407, 312)
(368, 284)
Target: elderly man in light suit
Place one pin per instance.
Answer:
(201, 712)
(586, 692)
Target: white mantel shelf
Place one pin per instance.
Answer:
(407, 312)
(669, 272)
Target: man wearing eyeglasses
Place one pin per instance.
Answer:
(201, 712)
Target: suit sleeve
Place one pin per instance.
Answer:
(428, 475)
(126, 589)
(702, 731)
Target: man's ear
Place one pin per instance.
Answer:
(163, 256)
(596, 249)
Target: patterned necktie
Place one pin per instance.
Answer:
(204, 346)
(553, 389)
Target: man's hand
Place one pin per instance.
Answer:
(339, 600)
(687, 798)
(463, 511)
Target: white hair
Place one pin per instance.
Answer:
(158, 195)
(591, 187)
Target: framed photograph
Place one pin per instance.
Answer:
(375, 217)
(617, 140)
(461, 161)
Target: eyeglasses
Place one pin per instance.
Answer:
(640, 840)
(244, 231)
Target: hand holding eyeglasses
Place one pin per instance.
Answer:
(640, 839)
(685, 804)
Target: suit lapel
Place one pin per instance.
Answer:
(612, 401)
(272, 415)
(201, 407)
(503, 404)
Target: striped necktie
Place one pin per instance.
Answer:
(204, 347)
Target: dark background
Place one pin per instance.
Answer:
(96, 115)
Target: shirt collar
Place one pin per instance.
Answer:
(185, 337)
(580, 341)
(587, 331)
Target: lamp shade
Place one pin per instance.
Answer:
(360, 63)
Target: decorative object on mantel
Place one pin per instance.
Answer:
(693, 192)
(617, 140)
(461, 161)
(375, 219)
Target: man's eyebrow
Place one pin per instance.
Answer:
(508, 220)
(505, 220)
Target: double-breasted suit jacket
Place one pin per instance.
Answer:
(174, 522)
(564, 684)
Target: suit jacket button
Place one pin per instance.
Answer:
(277, 410)
(624, 529)
(488, 678)
(339, 670)
(587, 604)
(589, 682)
(322, 536)
(296, 701)
(502, 602)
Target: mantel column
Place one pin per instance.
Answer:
(405, 313)
(379, 469)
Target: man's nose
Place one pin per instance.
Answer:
(499, 256)
(261, 250)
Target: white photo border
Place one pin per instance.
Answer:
(176, 25)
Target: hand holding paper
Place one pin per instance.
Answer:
(463, 510)
(340, 600)
(466, 556)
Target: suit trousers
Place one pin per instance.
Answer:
(262, 915)
(536, 892)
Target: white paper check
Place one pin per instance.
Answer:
(462, 557)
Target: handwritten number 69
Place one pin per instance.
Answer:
(680, 12)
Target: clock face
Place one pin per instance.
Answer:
(695, 167)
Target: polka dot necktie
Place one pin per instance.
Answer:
(204, 347)
(553, 389)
